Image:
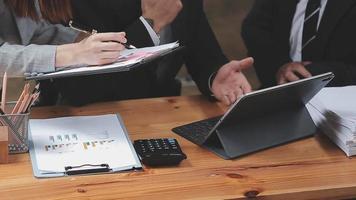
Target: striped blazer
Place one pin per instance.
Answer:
(27, 46)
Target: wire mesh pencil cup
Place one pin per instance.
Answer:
(18, 131)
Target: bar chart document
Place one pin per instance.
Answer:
(85, 142)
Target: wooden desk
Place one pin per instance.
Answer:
(309, 169)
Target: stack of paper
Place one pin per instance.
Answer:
(334, 112)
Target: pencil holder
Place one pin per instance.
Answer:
(18, 131)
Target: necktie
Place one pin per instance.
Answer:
(310, 29)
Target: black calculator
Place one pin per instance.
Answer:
(159, 152)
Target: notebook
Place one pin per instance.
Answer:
(129, 59)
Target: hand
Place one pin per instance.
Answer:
(97, 49)
(162, 12)
(292, 72)
(230, 83)
(101, 48)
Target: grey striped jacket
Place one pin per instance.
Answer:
(27, 46)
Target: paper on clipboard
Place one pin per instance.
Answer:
(76, 141)
(128, 58)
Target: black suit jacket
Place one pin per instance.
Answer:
(202, 55)
(266, 32)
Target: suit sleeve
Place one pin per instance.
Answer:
(138, 35)
(258, 35)
(18, 59)
(204, 55)
(345, 74)
(54, 34)
(37, 56)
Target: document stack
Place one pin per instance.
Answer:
(334, 111)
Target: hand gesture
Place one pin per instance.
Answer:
(230, 83)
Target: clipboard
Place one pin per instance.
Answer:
(104, 69)
(85, 168)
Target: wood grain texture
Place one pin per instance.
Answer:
(313, 168)
(4, 143)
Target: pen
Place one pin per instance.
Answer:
(79, 28)
(128, 46)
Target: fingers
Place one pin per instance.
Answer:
(232, 98)
(101, 48)
(111, 46)
(109, 55)
(224, 97)
(238, 93)
(281, 81)
(246, 87)
(231, 87)
(105, 37)
(225, 100)
(288, 77)
(291, 76)
(303, 71)
(242, 64)
(293, 72)
(106, 61)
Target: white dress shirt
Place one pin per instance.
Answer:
(296, 37)
(154, 36)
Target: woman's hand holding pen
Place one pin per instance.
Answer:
(97, 49)
(101, 48)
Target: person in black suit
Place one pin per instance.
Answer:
(294, 39)
(144, 21)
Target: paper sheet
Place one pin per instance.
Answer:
(340, 100)
(338, 105)
(75, 141)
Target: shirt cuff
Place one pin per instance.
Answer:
(153, 34)
(210, 82)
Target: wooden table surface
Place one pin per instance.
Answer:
(313, 168)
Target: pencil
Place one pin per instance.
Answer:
(27, 104)
(36, 89)
(19, 101)
(23, 104)
(33, 101)
(3, 94)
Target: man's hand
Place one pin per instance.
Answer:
(292, 72)
(230, 83)
(162, 12)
